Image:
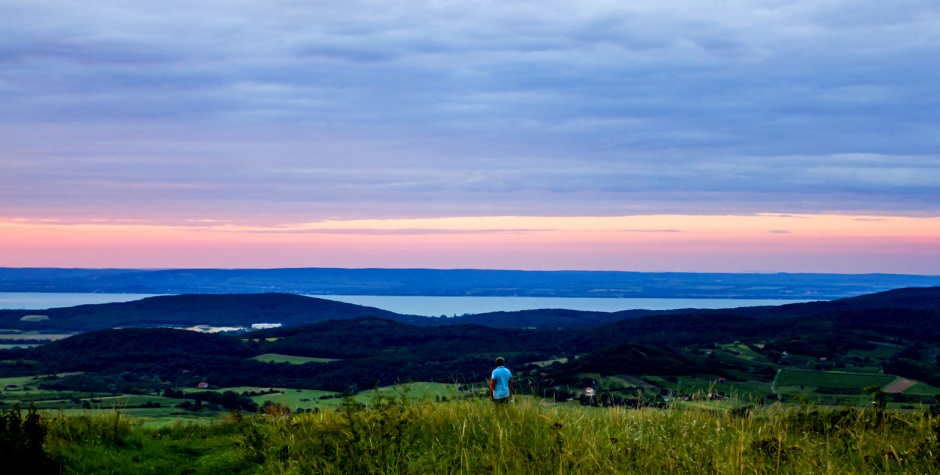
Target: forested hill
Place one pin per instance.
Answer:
(188, 310)
(368, 350)
(922, 298)
(292, 310)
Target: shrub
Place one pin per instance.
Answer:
(21, 440)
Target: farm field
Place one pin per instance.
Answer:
(883, 351)
(13, 346)
(923, 389)
(899, 385)
(237, 389)
(736, 354)
(742, 391)
(12, 339)
(24, 391)
(303, 398)
(832, 388)
(550, 362)
(33, 336)
(864, 369)
(631, 382)
(276, 358)
(829, 379)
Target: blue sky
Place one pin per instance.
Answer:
(282, 112)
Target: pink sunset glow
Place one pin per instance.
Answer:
(761, 243)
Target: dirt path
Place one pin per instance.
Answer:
(899, 386)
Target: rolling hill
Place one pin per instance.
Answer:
(895, 333)
(189, 310)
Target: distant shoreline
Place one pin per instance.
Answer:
(459, 283)
(429, 306)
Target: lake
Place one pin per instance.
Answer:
(456, 306)
(418, 305)
(38, 300)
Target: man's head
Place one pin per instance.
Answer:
(500, 361)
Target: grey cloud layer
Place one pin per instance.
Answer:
(375, 109)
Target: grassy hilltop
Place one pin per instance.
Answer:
(397, 434)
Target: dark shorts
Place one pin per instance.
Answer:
(501, 401)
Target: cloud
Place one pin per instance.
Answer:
(393, 232)
(218, 110)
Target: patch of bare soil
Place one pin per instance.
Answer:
(899, 386)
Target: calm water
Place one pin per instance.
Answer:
(36, 300)
(429, 306)
(451, 306)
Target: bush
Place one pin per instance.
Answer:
(21, 440)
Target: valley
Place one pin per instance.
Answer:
(821, 353)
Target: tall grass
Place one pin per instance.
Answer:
(530, 437)
(110, 443)
(397, 435)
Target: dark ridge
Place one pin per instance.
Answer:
(908, 298)
(375, 337)
(544, 318)
(189, 310)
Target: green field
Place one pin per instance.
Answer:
(864, 369)
(13, 391)
(923, 389)
(12, 346)
(549, 362)
(630, 381)
(34, 336)
(237, 389)
(299, 399)
(310, 399)
(742, 391)
(25, 389)
(830, 379)
(276, 358)
(883, 351)
(19, 381)
(315, 399)
(739, 352)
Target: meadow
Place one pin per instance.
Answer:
(398, 432)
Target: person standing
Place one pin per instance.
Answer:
(501, 390)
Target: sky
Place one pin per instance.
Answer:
(666, 135)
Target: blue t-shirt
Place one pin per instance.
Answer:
(501, 375)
